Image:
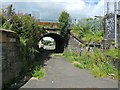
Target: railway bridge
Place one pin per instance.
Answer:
(60, 40)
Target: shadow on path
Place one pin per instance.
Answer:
(39, 60)
(62, 74)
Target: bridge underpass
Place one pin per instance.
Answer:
(59, 41)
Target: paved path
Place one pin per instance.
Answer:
(62, 74)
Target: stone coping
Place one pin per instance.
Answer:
(5, 30)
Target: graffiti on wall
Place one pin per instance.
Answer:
(109, 28)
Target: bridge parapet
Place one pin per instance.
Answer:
(56, 32)
(52, 30)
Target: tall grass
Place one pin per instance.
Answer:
(95, 61)
(114, 53)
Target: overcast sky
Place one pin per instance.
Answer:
(51, 9)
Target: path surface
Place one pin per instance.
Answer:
(62, 74)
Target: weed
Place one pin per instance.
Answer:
(113, 53)
(39, 72)
(96, 61)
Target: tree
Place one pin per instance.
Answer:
(25, 26)
(64, 22)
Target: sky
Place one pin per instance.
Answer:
(51, 9)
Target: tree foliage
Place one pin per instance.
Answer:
(64, 22)
(24, 25)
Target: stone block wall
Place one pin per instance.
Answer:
(78, 46)
(73, 45)
(11, 64)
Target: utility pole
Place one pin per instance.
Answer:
(107, 8)
(115, 24)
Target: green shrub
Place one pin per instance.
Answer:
(93, 37)
(6, 25)
(39, 72)
(113, 53)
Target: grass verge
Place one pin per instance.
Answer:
(95, 61)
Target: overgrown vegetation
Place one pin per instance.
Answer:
(39, 72)
(87, 29)
(93, 37)
(96, 61)
(91, 31)
(113, 52)
(28, 30)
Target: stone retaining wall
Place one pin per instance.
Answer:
(11, 65)
(73, 45)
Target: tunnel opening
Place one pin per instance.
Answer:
(47, 43)
(52, 42)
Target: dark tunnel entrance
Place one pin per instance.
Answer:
(58, 42)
